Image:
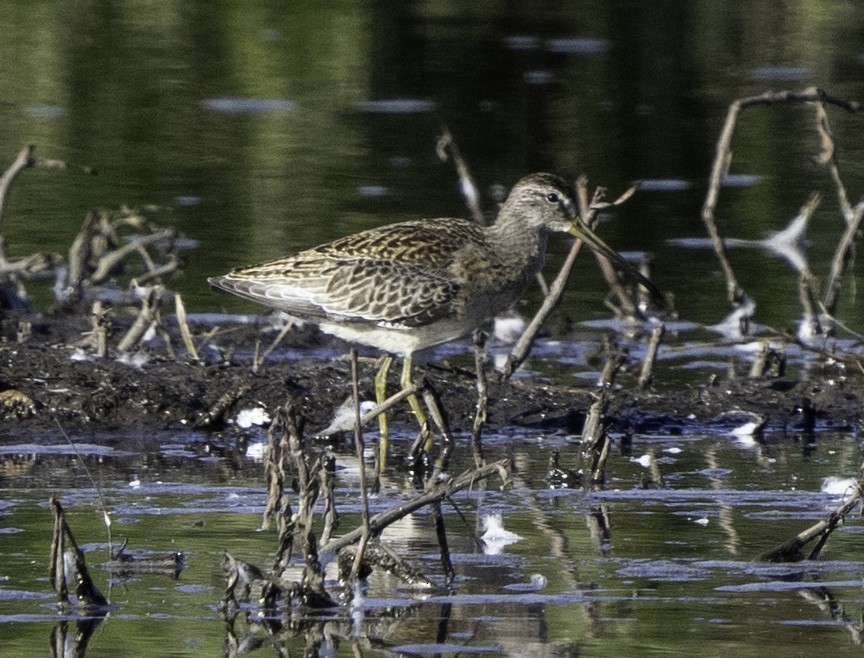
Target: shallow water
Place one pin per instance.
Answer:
(623, 569)
(263, 130)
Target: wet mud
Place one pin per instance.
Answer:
(50, 379)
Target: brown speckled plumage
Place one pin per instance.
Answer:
(415, 284)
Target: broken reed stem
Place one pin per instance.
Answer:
(359, 449)
(842, 257)
(29, 265)
(146, 317)
(327, 484)
(436, 411)
(595, 439)
(827, 158)
(769, 361)
(806, 295)
(158, 271)
(466, 181)
(613, 365)
(274, 476)
(482, 398)
(647, 373)
(85, 589)
(807, 283)
(439, 492)
(723, 158)
(216, 413)
(389, 403)
(185, 334)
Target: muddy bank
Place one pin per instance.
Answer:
(149, 391)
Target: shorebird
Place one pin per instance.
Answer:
(404, 287)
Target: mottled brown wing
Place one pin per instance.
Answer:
(397, 274)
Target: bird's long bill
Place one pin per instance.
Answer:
(581, 231)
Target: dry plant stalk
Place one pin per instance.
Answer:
(287, 455)
(482, 398)
(148, 316)
(466, 181)
(185, 333)
(647, 372)
(723, 158)
(842, 258)
(359, 447)
(595, 440)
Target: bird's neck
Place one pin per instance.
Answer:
(522, 246)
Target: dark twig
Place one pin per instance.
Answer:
(86, 591)
(359, 448)
(441, 535)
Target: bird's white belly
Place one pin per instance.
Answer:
(397, 340)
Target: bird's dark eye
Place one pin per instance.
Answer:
(552, 197)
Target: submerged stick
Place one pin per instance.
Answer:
(380, 521)
(791, 551)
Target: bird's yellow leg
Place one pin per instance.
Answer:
(415, 404)
(380, 396)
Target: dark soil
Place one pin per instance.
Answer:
(97, 395)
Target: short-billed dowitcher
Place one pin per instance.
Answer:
(408, 286)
